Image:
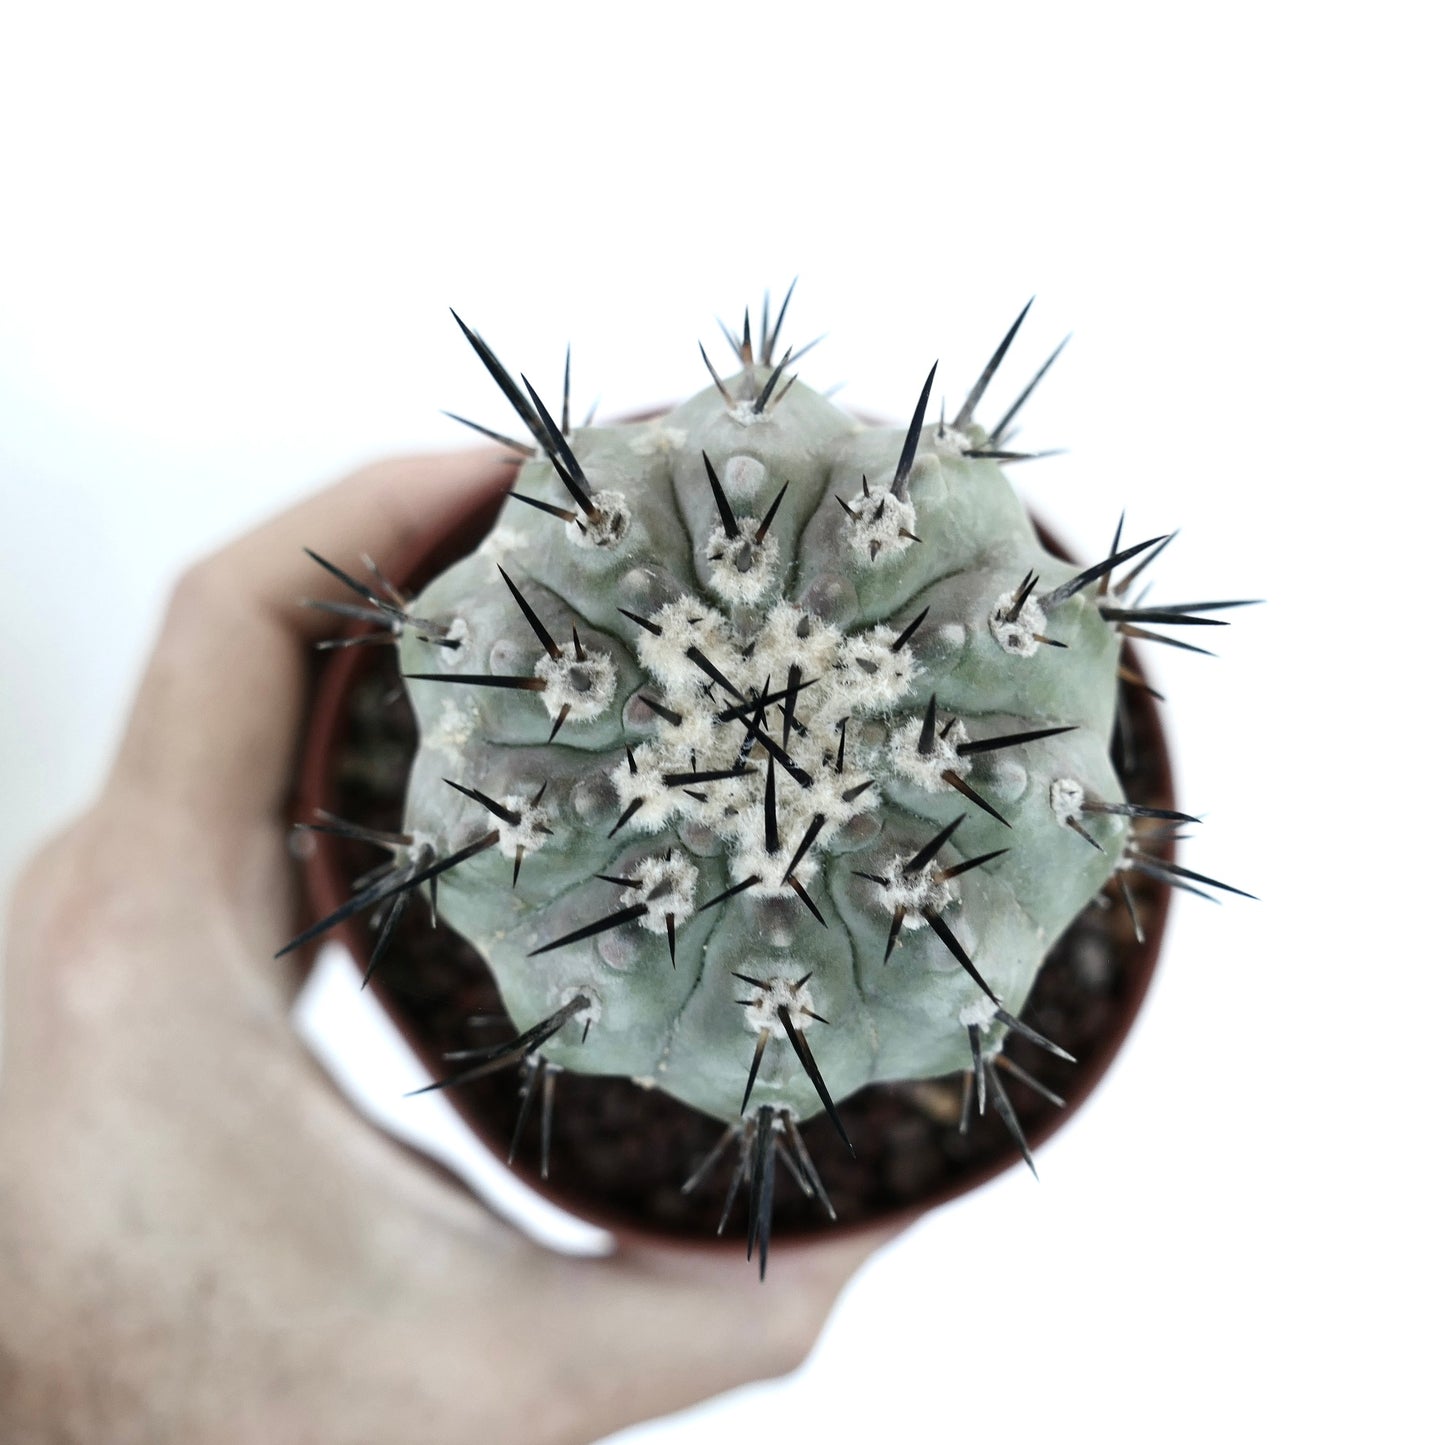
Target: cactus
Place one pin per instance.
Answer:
(764, 754)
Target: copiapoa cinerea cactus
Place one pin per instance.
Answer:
(764, 754)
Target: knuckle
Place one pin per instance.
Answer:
(69, 904)
(794, 1349)
(37, 901)
(198, 590)
(202, 602)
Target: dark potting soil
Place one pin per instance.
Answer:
(619, 1153)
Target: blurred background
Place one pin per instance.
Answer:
(231, 240)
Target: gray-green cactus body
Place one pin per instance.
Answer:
(778, 841)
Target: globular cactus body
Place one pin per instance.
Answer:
(793, 739)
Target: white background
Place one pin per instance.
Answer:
(229, 248)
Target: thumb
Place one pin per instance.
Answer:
(214, 725)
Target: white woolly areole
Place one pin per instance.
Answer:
(1019, 636)
(744, 414)
(530, 834)
(723, 805)
(879, 520)
(878, 676)
(751, 858)
(608, 527)
(742, 571)
(686, 624)
(693, 736)
(792, 635)
(585, 687)
(913, 892)
(926, 770)
(744, 823)
(1066, 798)
(978, 1012)
(563, 993)
(646, 783)
(959, 441)
(761, 1014)
(668, 885)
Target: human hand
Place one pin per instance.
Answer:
(200, 1241)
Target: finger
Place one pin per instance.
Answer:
(215, 724)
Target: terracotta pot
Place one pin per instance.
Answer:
(491, 1113)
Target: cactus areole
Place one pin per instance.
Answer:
(764, 754)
